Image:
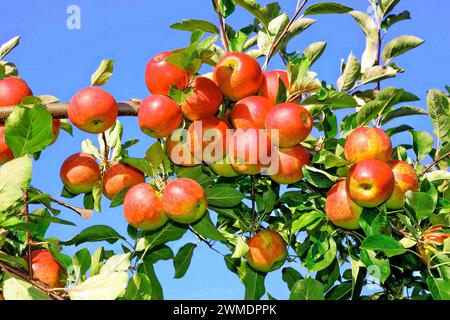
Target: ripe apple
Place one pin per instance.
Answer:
(12, 91)
(120, 176)
(160, 75)
(143, 208)
(340, 208)
(250, 112)
(238, 75)
(366, 143)
(179, 153)
(223, 168)
(290, 163)
(45, 268)
(405, 179)
(250, 151)
(56, 128)
(184, 200)
(271, 84)
(292, 121)
(267, 251)
(159, 115)
(5, 152)
(93, 110)
(207, 139)
(370, 182)
(204, 101)
(80, 172)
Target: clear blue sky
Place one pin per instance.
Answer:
(58, 61)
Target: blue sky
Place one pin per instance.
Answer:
(58, 61)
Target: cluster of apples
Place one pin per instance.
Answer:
(372, 180)
(12, 91)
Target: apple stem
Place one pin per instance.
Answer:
(105, 152)
(225, 41)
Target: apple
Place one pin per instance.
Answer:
(340, 208)
(207, 139)
(159, 115)
(142, 208)
(405, 179)
(366, 143)
(292, 122)
(270, 84)
(184, 200)
(80, 173)
(250, 151)
(93, 110)
(370, 182)
(12, 91)
(267, 251)
(160, 75)
(56, 128)
(179, 153)
(250, 112)
(204, 101)
(290, 163)
(238, 75)
(223, 168)
(5, 152)
(120, 176)
(46, 268)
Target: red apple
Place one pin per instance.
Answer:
(179, 152)
(405, 179)
(12, 91)
(184, 200)
(207, 139)
(271, 84)
(80, 173)
(292, 122)
(340, 208)
(160, 75)
(250, 112)
(370, 182)
(267, 251)
(93, 110)
(159, 115)
(120, 176)
(366, 143)
(204, 101)
(5, 152)
(56, 128)
(250, 151)
(223, 168)
(290, 163)
(143, 208)
(46, 268)
(238, 75)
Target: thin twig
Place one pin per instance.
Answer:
(431, 165)
(277, 42)
(225, 41)
(210, 245)
(25, 212)
(252, 196)
(84, 213)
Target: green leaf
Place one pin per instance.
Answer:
(399, 46)
(369, 55)
(118, 262)
(378, 268)
(139, 288)
(439, 288)
(314, 51)
(241, 248)
(290, 276)
(386, 244)
(103, 73)
(350, 74)
(326, 8)
(421, 202)
(372, 109)
(307, 289)
(169, 232)
(224, 196)
(297, 27)
(82, 260)
(207, 229)
(155, 154)
(147, 269)
(195, 25)
(182, 259)
(438, 175)
(255, 9)
(422, 143)
(304, 85)
(364, 20)
(66, 126)
(392, 19)
(254, 284)
(104, 286)
(178, 95)
(277, 25)
(227, 7)
(28, 129)
(378, 73)
(161, 252)
(139, 163)
(317, 177)
(439, 111)
(398, 129)
(403, 111)
(307, 220)
(337, 100)
(15, 176)
(326, 259)
(18, 289)
(8, 46)
(94, 234)
(387, 6)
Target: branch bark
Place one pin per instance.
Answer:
(225, 41)
(431, 165)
